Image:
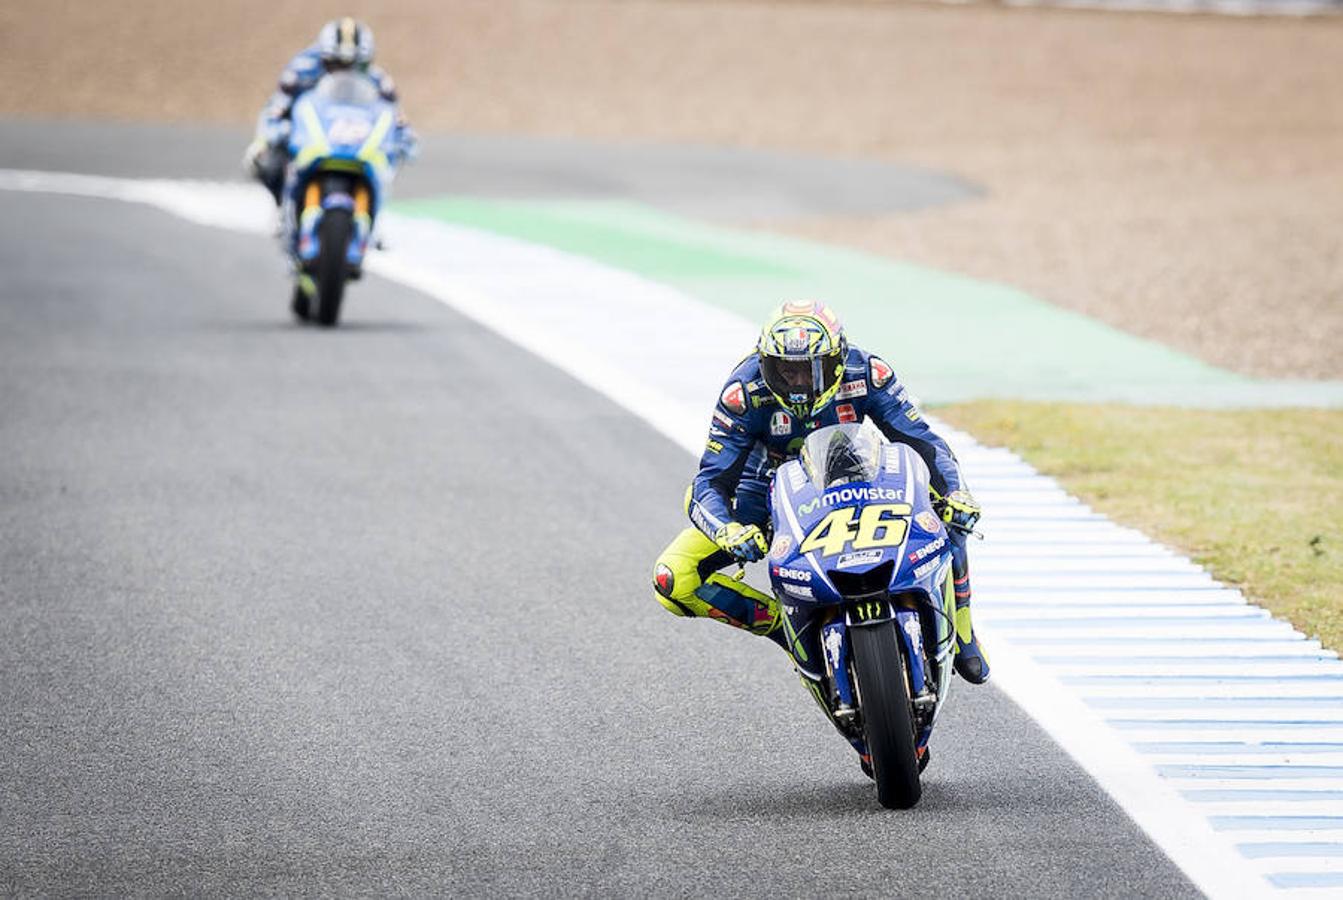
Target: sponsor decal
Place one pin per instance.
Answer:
(881, 373)
(913, 414)
(781, 546)
(713, 446)
(734, 398)
(869, 611)
(780, 424)
(794, 574)
(796, 477)
(902, 396)
(843, 495)
(927, 521)
(799, 338)
(834, 645)
(927, 567)
(840, 495)
(928, 549)
(915, 632)
(722, 421)
(701, 520)
(845, 413)
(759, 400)
(861, 558)
(795, 591)
(891, 461)
(853, 389)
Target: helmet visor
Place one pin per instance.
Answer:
(800, 381)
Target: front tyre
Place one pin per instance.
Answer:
(888, 721)
(334, 242)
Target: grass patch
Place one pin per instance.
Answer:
(1255, 496)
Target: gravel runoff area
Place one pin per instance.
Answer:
(1178, 177)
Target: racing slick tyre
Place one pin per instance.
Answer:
(334, 242)
(888, 721)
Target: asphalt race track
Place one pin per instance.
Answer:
(290, 611)
(702, 181)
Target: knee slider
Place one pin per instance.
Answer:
(671, 587)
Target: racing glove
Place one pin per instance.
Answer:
(274, 132)
(960, 511)
(746, 543)
(407, 144)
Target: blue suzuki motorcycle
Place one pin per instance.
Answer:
(344, 147)
(861, 564)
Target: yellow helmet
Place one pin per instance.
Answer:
(802, 351)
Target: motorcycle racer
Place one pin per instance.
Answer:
(342, 44)
(802, 376)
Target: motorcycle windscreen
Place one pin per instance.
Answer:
(842, 454)
(351, 88)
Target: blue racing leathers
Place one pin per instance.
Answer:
(750, 435)
(302, 74)
(267, 153)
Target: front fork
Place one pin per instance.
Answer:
(359, 202)
(841, 704)
(363, 224)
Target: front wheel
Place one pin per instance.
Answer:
(334, 243)
(888, 721)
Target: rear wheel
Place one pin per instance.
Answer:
(334, 242)
(888, 721)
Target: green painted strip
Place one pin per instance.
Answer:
(952, 338)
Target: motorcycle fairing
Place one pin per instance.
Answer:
(341, 126)
(908, 572)
(800, 510)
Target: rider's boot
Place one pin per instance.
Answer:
(971, 663)
(686, 584)
(266, 163)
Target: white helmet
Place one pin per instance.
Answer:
(345, 43)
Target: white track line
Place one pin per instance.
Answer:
(1063, 593)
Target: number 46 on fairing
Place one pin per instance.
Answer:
(878, 525)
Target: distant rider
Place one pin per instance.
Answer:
(342, 45)
(802, 376)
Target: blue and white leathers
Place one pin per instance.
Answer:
(301, 75)
(343, 126)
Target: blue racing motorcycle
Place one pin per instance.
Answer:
(861, 564)
(344, 146)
